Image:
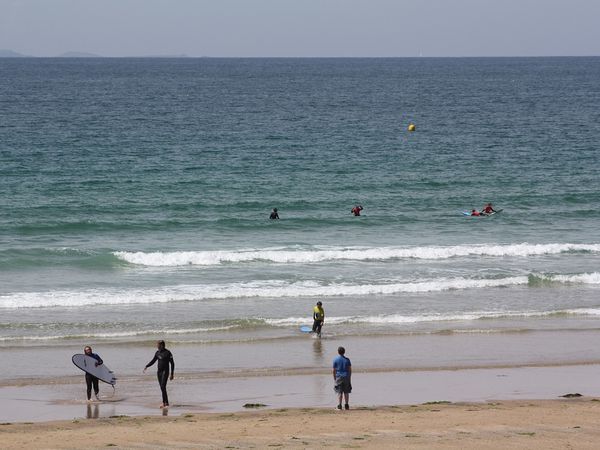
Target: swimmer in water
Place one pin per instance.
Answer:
(356, 210)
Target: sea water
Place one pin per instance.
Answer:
(136, 193)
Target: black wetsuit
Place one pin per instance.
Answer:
(91, 380)
(318, 317)
(165, 359)
(274, 215)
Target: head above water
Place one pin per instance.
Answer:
(160, 345)
(341, 350)
(274, 209)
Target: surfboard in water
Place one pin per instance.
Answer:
(88, 365)
(305, 329)
(468, 213)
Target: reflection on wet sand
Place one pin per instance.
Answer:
(318, 350)
(93, 411)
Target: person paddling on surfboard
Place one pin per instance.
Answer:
(488, 209)
(474, 212)
(318, 318)
(165, 359)
(91, 380)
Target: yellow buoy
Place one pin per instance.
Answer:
(411, 127)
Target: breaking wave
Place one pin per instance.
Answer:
(283, 255)
(270, 289)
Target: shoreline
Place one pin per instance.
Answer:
(531, 424)
(275, 372)
(140, 396)
(313, 356)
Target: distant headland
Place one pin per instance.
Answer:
(4, 53)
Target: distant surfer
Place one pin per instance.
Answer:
(165, 359)
(91, 380)
(474, 212)
(318, 318)
(488, 209)
(356, 210)
(342, 373)
(274, 214)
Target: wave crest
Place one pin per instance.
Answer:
(283, 255)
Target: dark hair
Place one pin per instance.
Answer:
(161, 343)
(319, 304)
(341, 350)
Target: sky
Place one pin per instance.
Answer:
(302, 28)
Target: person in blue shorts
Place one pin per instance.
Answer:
(342, 372)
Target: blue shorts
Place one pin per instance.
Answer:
(342, 385)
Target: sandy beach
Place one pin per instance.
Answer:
(462, 408)
(494, 425)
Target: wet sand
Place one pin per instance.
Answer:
(555, 424)
(38, 401)
(302, 353)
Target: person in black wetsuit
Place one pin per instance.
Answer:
(165, 359)
(91, 380)
(274, 214)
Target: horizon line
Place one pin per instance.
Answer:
(184, 56)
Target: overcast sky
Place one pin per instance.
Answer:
(302, 27)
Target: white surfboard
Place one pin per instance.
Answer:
(88, 364)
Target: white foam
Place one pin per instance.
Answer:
(383, 320)
(399, 319)
(284, 255)
(119, 334)
(585, 278)
(266, 289)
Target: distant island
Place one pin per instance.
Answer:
(10, 54)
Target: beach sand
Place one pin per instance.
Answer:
(549, 424)
(466, 408)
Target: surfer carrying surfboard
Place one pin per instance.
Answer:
(165, 359)
(91, 380)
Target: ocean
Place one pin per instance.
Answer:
(136, 196)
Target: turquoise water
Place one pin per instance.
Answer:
(136, 196)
